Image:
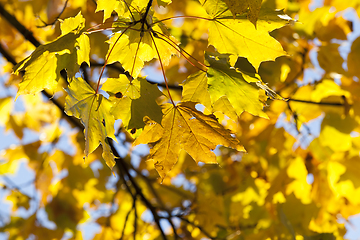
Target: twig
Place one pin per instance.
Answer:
(16, 187)
(317, 103)
(197, 226)
(52, 23)
(120, 163)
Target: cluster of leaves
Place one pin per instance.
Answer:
(232, 75)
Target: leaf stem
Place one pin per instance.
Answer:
(55, 20)
(176, 47)
(107, 58)
(162, 70)
(136, 52)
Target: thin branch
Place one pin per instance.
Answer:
(56, 19)
(127, 218)
(318, 103)
(16, 187)
(160, 202)
(107, 58)
(126, 4)
(120, 163)
(197, 226)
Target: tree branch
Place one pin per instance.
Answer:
(120, 162)
(7, 55)
(21, 28)
(317, 103)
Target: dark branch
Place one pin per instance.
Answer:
(120, 163)
(7, 55)
(317, 103)
(14, 22)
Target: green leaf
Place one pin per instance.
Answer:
(224, 81)
(94, 112)
(133, 101)
(238, 36)
(42, 68)
(230, 90)
(195, 89)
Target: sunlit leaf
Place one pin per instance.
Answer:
(133, 101)
(132, 47)
(42, 68)
(239, 7)
(188, 129)
(94, 112)
(239, 36)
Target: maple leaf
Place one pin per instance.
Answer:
(94, 112)
(133, 46)
(133, 100)
(183, 127)
(230, 90)
(121, 7)
(42, 68)
(239, 7)
(239, 37)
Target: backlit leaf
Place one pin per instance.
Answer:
(239, 36)
(94, 112)
(224, 82)
(138, 100)
(186, 128)
(133, 47)
(239, 7)
(42, 68)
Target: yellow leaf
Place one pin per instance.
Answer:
(335, 132)
(42, 68)
(133, 100)
(186, 128)
(133, 47)
(326, 89)
(299, 186)
(5, 109)
(94, 111)
(239, 36)
(239, 7)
